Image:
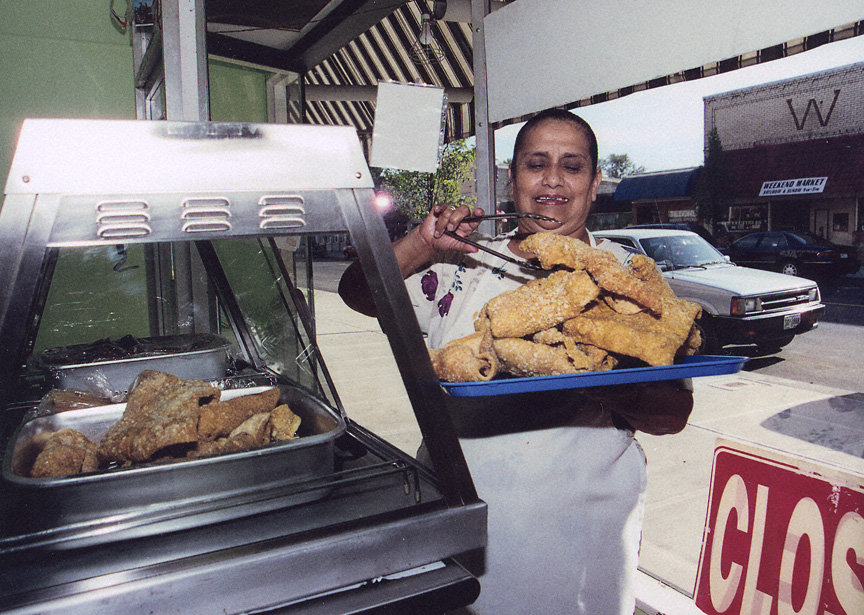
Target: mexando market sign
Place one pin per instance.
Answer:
(803, 185)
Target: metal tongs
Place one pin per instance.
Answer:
(509, 259)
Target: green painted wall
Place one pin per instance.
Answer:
(68, 58)
(237, 94)
(60, 58)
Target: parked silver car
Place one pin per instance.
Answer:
(740, 305)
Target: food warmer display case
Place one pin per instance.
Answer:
(133, 249)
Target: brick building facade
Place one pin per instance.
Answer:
(795, 151)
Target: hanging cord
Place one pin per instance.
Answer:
(121, 21)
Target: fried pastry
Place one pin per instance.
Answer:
(222, 445)
(149, 386)
(540, 304)
(556, 250)
(163, 415)
(256, 426)
(283, 423)
(655, 340)
(583, 318)
(220, 418)
(66, 452)
(600, 359)
(467, 359)
(521, 357)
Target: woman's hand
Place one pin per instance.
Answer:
(443, 218)
(656, 408)
(412, 252)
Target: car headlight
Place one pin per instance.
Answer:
(745, 305)
(813, 295)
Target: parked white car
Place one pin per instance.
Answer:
(740, 305)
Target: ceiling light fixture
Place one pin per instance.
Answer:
(426, 51)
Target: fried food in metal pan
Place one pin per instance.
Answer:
(66, 451)
(283, 423)
(220, 418)
(164, 414)
(167, 418)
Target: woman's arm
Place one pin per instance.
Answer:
(412, 252)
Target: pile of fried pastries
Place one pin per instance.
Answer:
(165, 418)
(588, 315)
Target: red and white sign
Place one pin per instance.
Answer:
(782, 536)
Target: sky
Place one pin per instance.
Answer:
(662, 129)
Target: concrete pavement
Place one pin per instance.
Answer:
(815, 422)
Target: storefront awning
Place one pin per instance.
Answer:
(661, 185)
(840, 160)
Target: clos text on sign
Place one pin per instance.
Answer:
(782, 536)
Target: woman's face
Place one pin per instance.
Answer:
(552, 175)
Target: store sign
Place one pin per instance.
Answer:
(781, 536)
(681, 215)
(804, 185)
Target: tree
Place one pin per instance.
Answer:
(415, 193)
(713, 192)
(615, 165)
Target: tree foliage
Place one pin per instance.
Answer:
(415, 193)
(615, 165)
(713, 192)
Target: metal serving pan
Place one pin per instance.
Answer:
(110, 366)
(149, 492)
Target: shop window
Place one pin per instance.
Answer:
(840, 223)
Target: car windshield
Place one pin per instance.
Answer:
(679, 251)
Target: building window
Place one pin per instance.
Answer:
(840, 222)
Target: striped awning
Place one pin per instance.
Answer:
(348, 46)
(341, 56)
(391, 51)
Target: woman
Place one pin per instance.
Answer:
(562, 474)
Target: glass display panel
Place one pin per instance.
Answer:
(180, 303)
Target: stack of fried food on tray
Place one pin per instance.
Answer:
(167, 417)
(589, 314)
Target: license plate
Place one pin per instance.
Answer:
(790, 321)
(844, 256)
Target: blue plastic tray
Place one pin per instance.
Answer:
(689, 367)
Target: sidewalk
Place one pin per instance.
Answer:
(819, 423)
(358, 357)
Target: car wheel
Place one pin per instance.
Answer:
(710, 344)
(790, 268)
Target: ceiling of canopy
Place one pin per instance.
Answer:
(342, 48)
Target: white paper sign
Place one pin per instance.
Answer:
(409, 127)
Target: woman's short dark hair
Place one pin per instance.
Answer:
(556, 114)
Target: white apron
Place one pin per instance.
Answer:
(565, 491)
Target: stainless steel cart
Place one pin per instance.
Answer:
(158, 238)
